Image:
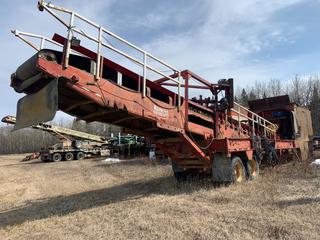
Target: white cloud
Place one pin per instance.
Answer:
(233, 31)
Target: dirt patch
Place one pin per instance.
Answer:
(90, 200)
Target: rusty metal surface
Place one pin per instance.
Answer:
(285, 144)
(279, 102)
(108, 95)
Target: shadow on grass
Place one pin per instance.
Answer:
(297, 202)
(63, 205)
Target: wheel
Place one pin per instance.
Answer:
(179, 174)
(69, 156)
(80, 155)
(56, 157)
(253, 170)
(45, 159)
(238, 170)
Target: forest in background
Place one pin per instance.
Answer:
(304, 91)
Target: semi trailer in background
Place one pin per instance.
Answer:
(77, 145)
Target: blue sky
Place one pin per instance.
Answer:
(248, 40)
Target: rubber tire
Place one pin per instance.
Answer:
(28, 69)
(237, 169)
(45, 160)
(80, 156)
(69, 156)
(179, 174)
(56, 157)
(249, 169)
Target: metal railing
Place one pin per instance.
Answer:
(242, 113)
(253, 119)
(101, 43)
(43, 39)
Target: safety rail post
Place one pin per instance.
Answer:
(239, 122)
(144, 83)
(68, 44)
(186, 78)
(253, 126)
(42, 42)
(139, 83)
(226, 119)
(97, 73)
(179, 91)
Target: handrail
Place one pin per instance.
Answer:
(42, 5)
(43, 39)
(255, 118)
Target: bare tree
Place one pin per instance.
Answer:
(296, 92)
(274, 87)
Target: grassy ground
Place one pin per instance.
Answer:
(93, 200)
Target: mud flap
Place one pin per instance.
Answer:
(221, 168)
(37, 107)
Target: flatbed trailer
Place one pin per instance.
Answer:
(57, 154)
(73, 145)
(76, 145)
(211, 135)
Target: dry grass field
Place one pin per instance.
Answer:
(91, 199)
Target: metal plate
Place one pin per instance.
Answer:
(271, 103)
(38, 107)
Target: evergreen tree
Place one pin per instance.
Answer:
(252, 96)
(244, 98)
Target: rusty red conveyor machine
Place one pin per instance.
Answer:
(211, 134)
